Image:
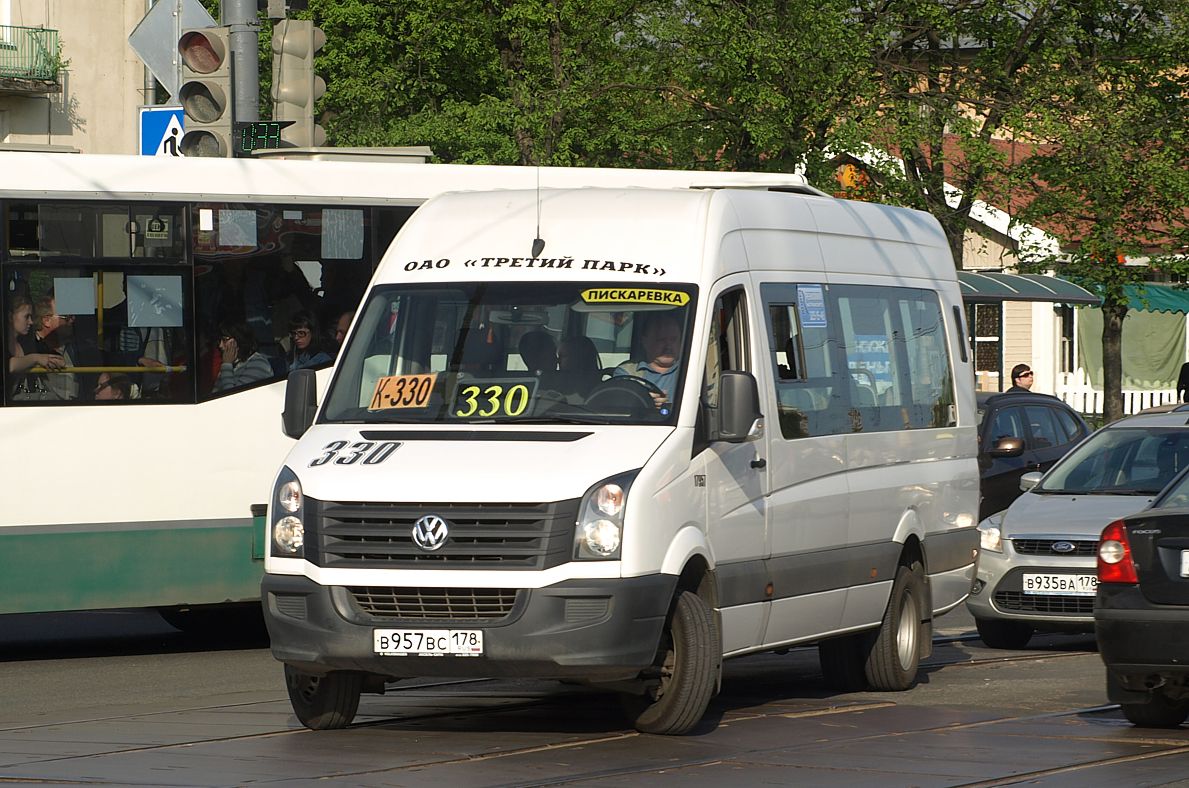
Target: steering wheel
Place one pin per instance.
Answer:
(638, 391)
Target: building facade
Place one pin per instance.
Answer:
(68, 78)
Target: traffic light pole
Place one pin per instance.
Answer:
(240, 16)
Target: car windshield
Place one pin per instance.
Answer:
(1121, 461)
(1176, 496)
(523, 352)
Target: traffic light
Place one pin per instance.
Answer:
(205, 93)
(295, 86)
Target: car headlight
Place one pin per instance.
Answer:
(287, 529)
(598, 533)
(990, 533)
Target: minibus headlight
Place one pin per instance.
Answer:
(601, 537)
(599, 532)
(289, 496)
(609, 498)
(289, 535)
(289, 511)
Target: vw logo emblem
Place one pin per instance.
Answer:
(1064, 547)
(430, 532)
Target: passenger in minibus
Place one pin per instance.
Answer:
(578, 364)
(538, 351)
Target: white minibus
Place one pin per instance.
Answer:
(615, 436)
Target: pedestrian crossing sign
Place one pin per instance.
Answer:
(161, 130)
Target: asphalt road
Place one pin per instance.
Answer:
(120, 698)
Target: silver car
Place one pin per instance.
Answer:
(1037, 558)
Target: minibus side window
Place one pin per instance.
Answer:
(897, 358)
(800, 351)
(727, 349)
(928, 359)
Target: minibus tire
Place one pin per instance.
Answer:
(691, 653)
(843, 661)
(896, 655)
(327, 702)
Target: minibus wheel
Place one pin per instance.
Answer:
(896, 655)
(324, 702)
(687, 666)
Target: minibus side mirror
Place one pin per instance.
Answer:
(301, 402)
(739, 416)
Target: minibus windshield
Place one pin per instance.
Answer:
(523, 352)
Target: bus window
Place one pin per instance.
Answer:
(74, 324)
(287, 274)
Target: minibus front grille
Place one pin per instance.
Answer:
(481, 536)
(437, 604)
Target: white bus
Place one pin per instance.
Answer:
(132, 454)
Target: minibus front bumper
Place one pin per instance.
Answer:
(598, 630)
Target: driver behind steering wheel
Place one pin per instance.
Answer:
(661, 340)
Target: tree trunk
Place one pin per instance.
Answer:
(1112, 360)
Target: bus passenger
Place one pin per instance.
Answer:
(54, 335)
(306, 343)
(241, 364)
(17, 358)
(340, 329)
(113, 387)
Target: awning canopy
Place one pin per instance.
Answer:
(1157, 298)
(992, 288)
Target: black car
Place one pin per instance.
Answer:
(1019, 433)
(1141, 610)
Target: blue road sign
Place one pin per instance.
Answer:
(161, 130)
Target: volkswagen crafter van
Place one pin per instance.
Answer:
(617, 436)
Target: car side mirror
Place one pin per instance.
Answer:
(739, 416)
(1030, 480)
(1007, 447)
(301, 402)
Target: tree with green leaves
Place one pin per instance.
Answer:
(952, 76)
(773, 85)
(1111, 104)
(519, 82)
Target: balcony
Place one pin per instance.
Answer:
(29, 61)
